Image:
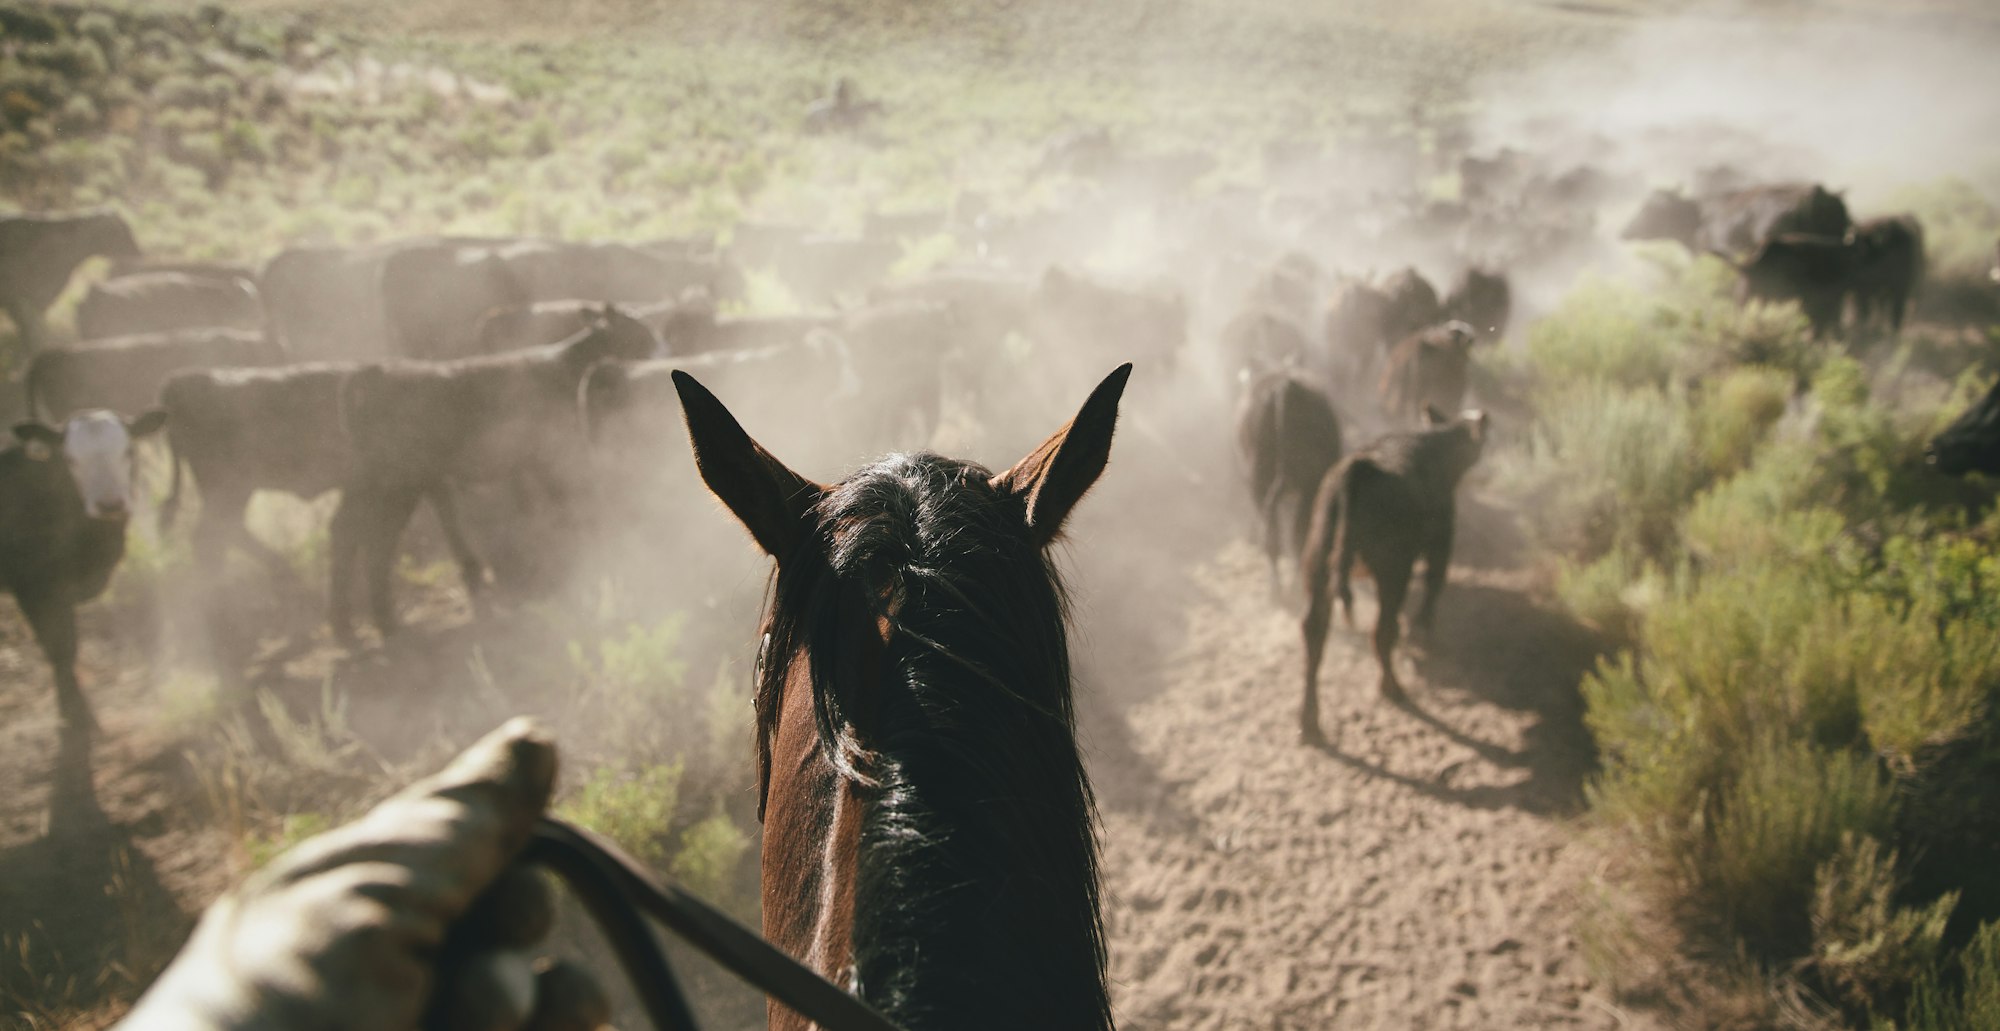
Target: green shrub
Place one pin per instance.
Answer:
(1732, 416)
(1866, 946)
(1782, 818)
(1606, 465)
(634, 809)
(1975, 1004)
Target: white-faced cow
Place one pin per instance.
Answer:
(65, 497)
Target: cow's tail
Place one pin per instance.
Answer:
(32, 383)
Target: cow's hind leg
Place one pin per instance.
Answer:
(1319, 613)
(383, 534)
(53, 620)
(1271, 507)
(1437, 563)
(1392, 586)
(471, 571)
(350, 521)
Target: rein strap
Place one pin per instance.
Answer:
(616, 889)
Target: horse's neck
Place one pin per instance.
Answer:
(967, 914)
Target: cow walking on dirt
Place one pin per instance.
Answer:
(417, 427)
(1289, 437)
(1386, 505)
(65, 498)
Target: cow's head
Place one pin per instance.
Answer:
(110, 236)
(1972, 442)
(97, 447)
(611, 335)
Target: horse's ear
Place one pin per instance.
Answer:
(1054, 476)
(770, 500)
(1434, 417)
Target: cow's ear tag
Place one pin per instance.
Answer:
(38, 450)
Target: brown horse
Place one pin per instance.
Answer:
(928, 827)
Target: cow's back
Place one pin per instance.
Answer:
(270, 429)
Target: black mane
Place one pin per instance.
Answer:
(977, 898)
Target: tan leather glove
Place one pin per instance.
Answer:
(411, 916)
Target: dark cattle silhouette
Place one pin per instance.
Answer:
(1083, 317)
(237, 431)
(1288, 436)
(1738, 222)
(1483, 300)
(1357, 327)
(1888, 265)
(1413, 304)
(417, 427)
(1386, 505)
(1428, 369)
(65, 498)
(435, 295)
(162, 302)
(1262, 340)
(1815, 271)
(125, 373)
(1971, 444)
(39, 252)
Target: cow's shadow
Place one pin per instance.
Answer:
(83, 909)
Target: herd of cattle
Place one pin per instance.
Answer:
(413, 371)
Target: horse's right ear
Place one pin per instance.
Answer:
(1055, 476)
(770, 500)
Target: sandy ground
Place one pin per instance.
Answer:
(1419, 872)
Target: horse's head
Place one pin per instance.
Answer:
(916, 746)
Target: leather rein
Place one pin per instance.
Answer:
(617, 890)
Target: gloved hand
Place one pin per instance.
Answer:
(412, 916)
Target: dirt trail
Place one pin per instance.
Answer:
(1414, 874)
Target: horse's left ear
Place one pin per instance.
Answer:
(1054, 476)
(770, 500)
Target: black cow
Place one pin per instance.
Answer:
(124, 374)
(435, 295)
(1289, 436)
(162, 302)
(1413, 304)
(1888, 265)
(416, 427)
(1262, 341)
(237, 431)
(1971, 444)
(1357, 333)
(1738, 222)
(1483, 300)
(1387, 505)
(1427, 370)
(65, 498)
(37, 255)
(1815, 271)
